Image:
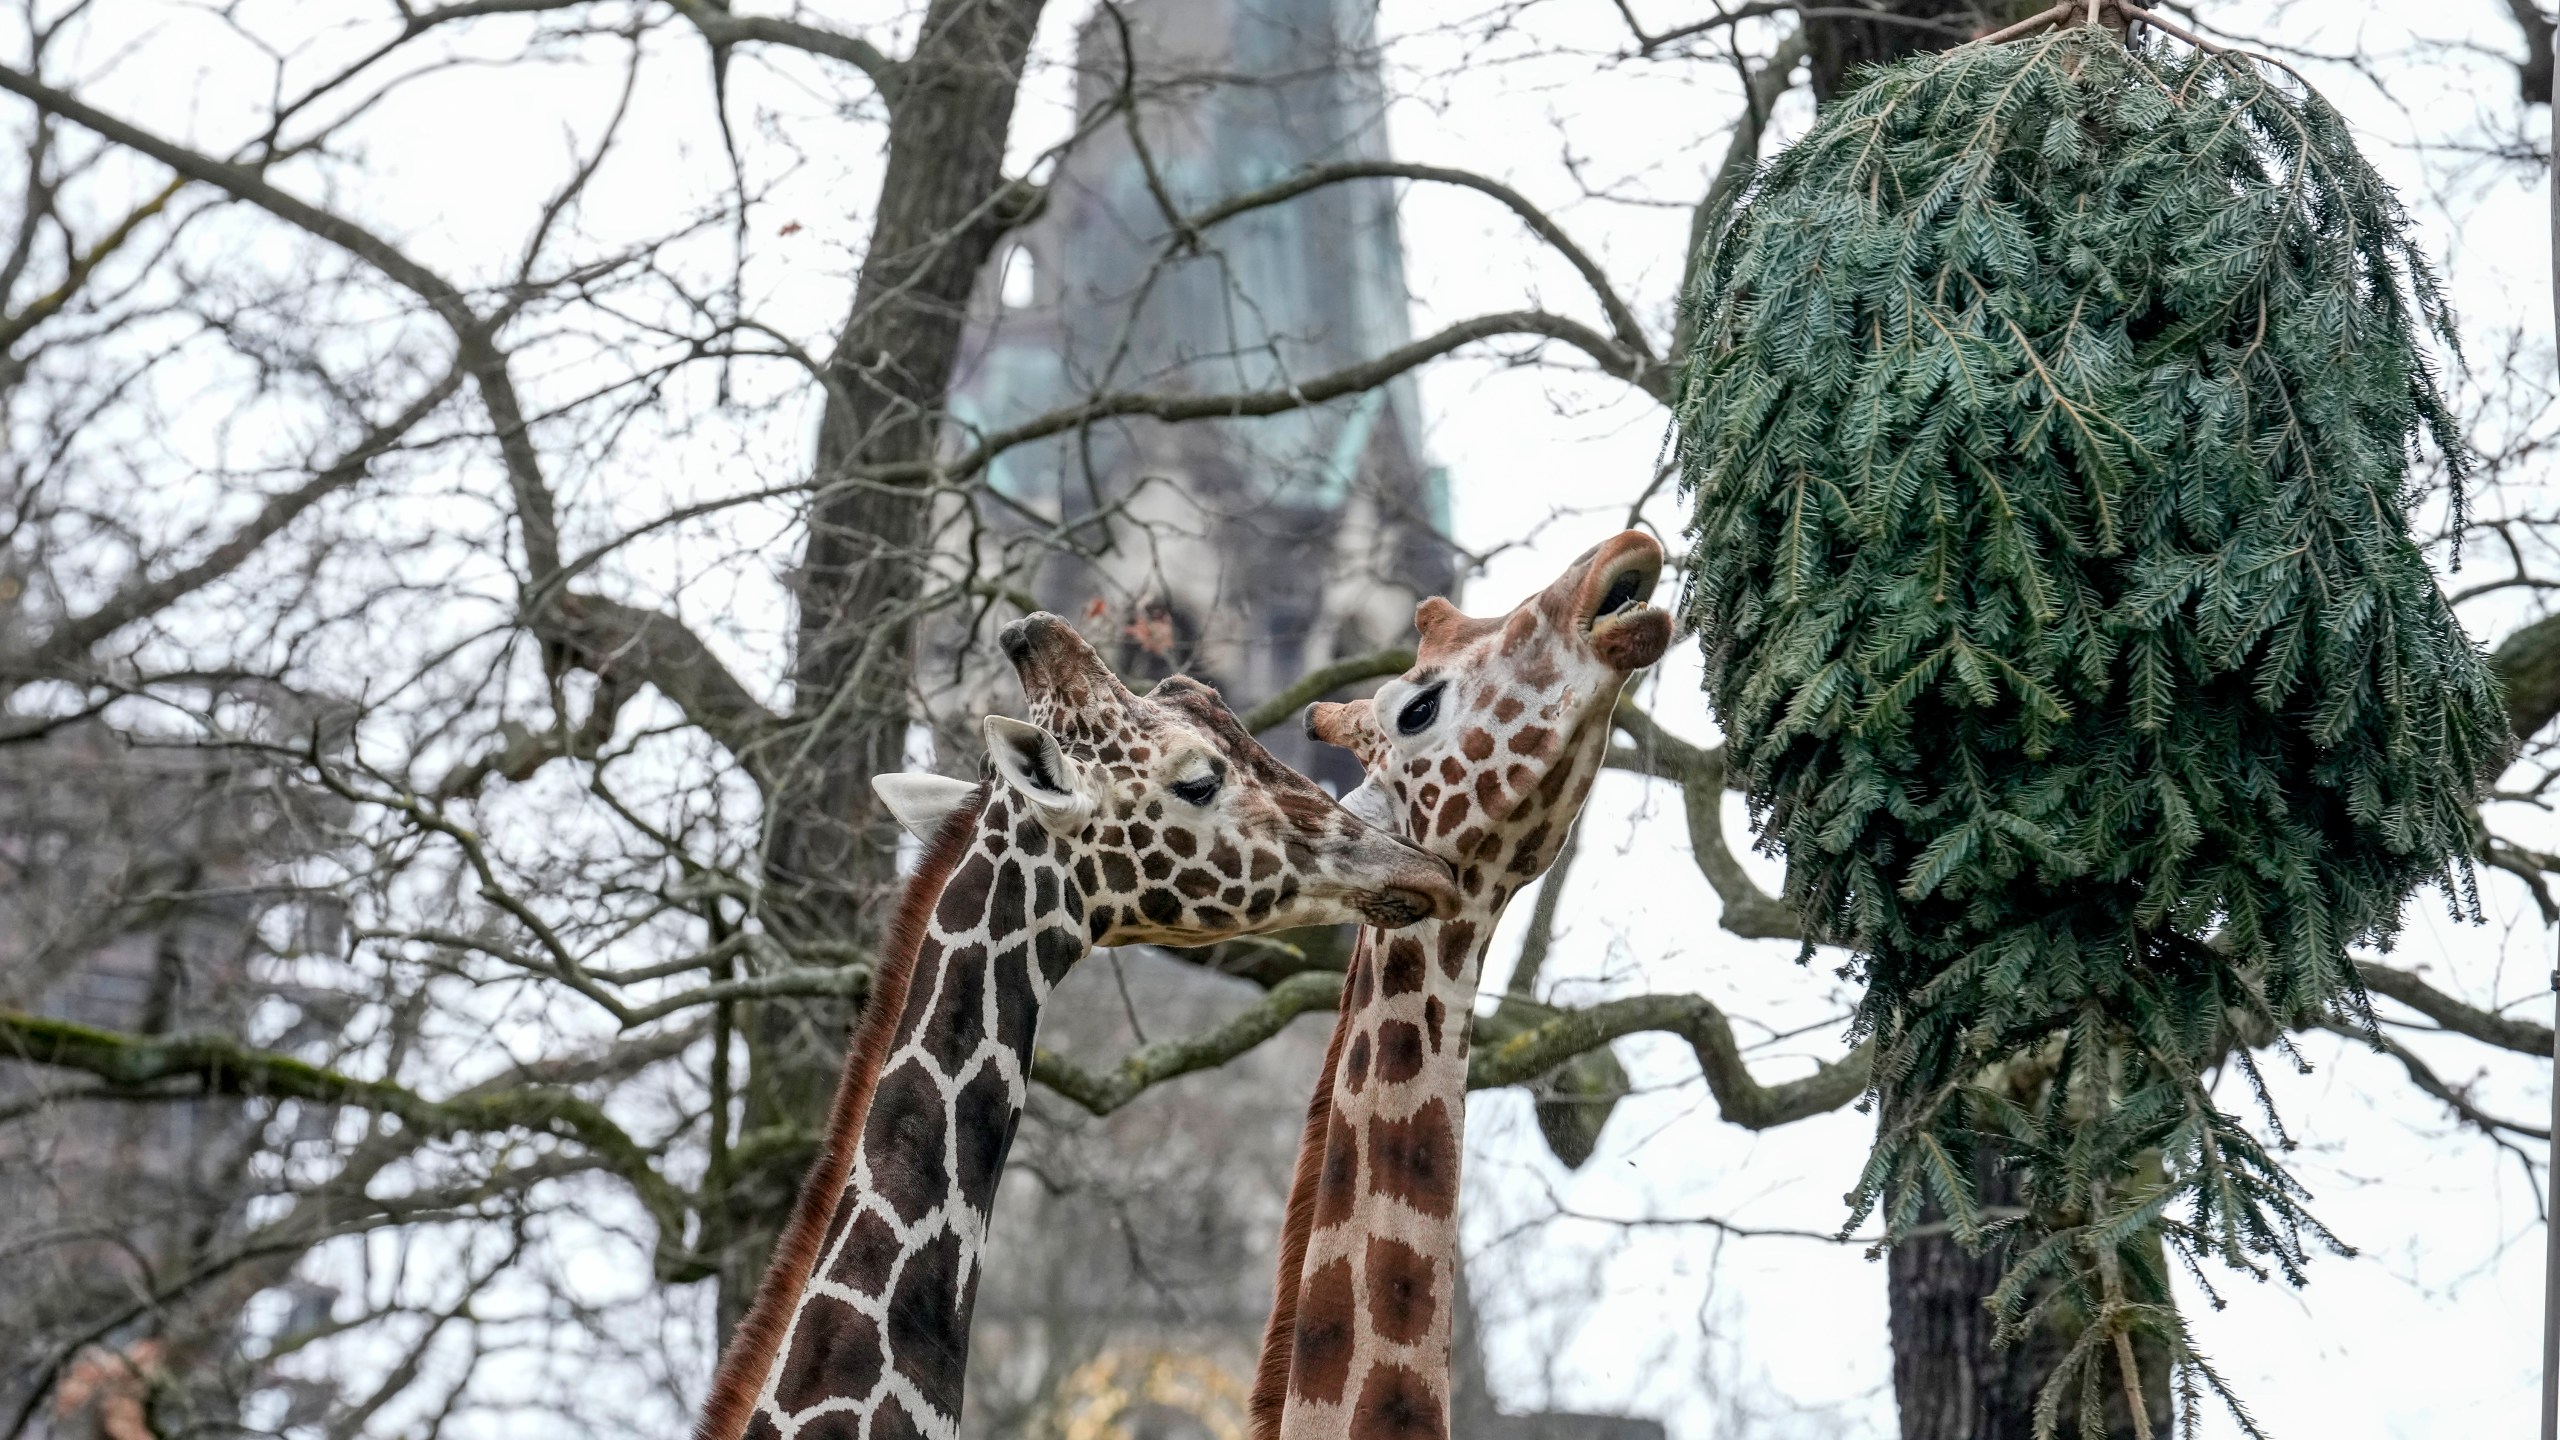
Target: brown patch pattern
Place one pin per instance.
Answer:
(1398, 1403)
(1399, 1051)
(1400, 1283)
(1490, 787)
(1324, 1334)
(861, 1327)
(1416, 1160)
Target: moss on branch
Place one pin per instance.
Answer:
(220, 1065)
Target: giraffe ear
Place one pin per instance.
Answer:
(1434, 615)
(1353, 725)
(922, 802)
(1028, 760)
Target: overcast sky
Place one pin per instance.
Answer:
(2429, 1332)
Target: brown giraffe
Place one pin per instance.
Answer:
(1114, 819)
(1483, 754)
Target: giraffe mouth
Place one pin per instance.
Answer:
(1394, 908)
(1410, 887)
(1625, 592)
(1624, 630)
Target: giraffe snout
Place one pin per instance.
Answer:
(1055, 663)
(1412, 885)
(1015, 641)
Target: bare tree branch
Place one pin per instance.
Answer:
(1575, 1100)
(480, 356)
(1613, 359)
(598, 633)
(2533, 72)
(143, 597)
(614, 639)
(1766, 84)
(221, 1065)
(1529, 1051)
(1152, 1065)
(2522, 1036)
(724, 29)
(1647, 42)
(44, 307)
(2454, 1097)
(1747, 910)
(1317, 684)
(1622, 319)
(1743, 1100)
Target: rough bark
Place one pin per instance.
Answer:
(831, 855)
(1838, 44)
(2533, 72)
(1950, 1380)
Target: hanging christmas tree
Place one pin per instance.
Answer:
(2051, 433)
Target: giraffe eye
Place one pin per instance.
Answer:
(1419, 712)
(1198, 791)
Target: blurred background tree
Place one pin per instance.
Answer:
(486, 485)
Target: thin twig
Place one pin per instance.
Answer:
(2033, 23)
(2176, 31)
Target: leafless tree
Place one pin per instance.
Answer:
(440, 672)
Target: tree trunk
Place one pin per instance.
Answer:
(1950, 1381)
(830, 860)
(1837, 45)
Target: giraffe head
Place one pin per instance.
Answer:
(1483, 751)
(1173, 825)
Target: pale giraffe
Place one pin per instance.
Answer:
(1114, 819)
(1482, 753)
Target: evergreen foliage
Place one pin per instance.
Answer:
(2050, 434)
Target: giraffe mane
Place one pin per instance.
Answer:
(1271, 1372)
(750, 1354)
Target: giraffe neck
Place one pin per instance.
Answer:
(861, 1330)
(1359, 1341)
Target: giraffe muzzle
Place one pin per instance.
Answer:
(1393, 908)
(1051, 658)
(1416, 885)
(1626, 632)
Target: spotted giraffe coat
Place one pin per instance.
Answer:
(1484, 753)
(1120, 818)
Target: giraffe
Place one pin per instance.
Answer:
(1112, 819)
(1483, 754)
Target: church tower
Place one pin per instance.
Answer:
(1247, 551)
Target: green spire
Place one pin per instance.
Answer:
(2049, 432)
